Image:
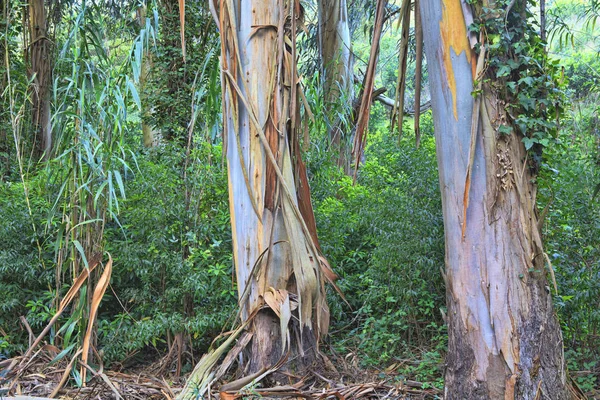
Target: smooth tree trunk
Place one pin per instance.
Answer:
(148, 134)
(504, 338)
(337, 65)
(40, 60)
(275, 251)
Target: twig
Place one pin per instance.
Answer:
(26, 325)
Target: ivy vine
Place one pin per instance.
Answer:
(519, 67)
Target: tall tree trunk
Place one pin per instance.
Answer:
(274, 237)
(40, 70)
(337, 63)
(504, 338)
(4, 143)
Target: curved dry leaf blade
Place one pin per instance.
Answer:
(182, 26)
(474, 127)
(96, 299)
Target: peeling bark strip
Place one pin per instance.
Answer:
(274, 237)
(504, 338)
(398, 111)
(362, 121)
(418, 72)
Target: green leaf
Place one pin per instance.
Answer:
(120, 183)
(79, 248)
(62, 354)
(529, 142)
(503, 70)
(134, 94)
(505, 129)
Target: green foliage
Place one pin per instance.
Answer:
(172, 83)
(520, 69)
(163, 251)
(13, 87)
(167, 250)
(384, 237)
(24, 277)
(573, 24)
(583, 72)
(428, 369)
(567, 183)
(166, 220)
(162, 214)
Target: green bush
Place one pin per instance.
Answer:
(384, 237)
(571, 233)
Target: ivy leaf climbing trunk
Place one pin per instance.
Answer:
(276, 253)
(504, 338)
(337, 71)
(40, 68)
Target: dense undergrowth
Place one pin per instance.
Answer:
(383, 236)
(171, 240)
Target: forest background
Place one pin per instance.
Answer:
(136, 169)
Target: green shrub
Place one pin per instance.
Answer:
(384, 237)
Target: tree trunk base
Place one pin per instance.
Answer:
(265, 350)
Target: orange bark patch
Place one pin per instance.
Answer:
(453, 32)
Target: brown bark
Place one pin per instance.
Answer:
(364, 112)
(4, 140)
(40, 70)
(504, 337)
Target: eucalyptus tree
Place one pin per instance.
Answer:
(278, 265)
(337, 71)
(492, 116)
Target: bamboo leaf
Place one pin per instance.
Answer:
(134, 94)
(81, 253)
(62, 354)
(63, 304)
(120, 183)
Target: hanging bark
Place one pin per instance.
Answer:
(337, 65)
(504, 338)
(40, 70)
(362, 120)
(275, 251)
(398, 111)
(418, 72)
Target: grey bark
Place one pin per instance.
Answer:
(504, 338)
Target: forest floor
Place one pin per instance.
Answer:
(39, 379)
